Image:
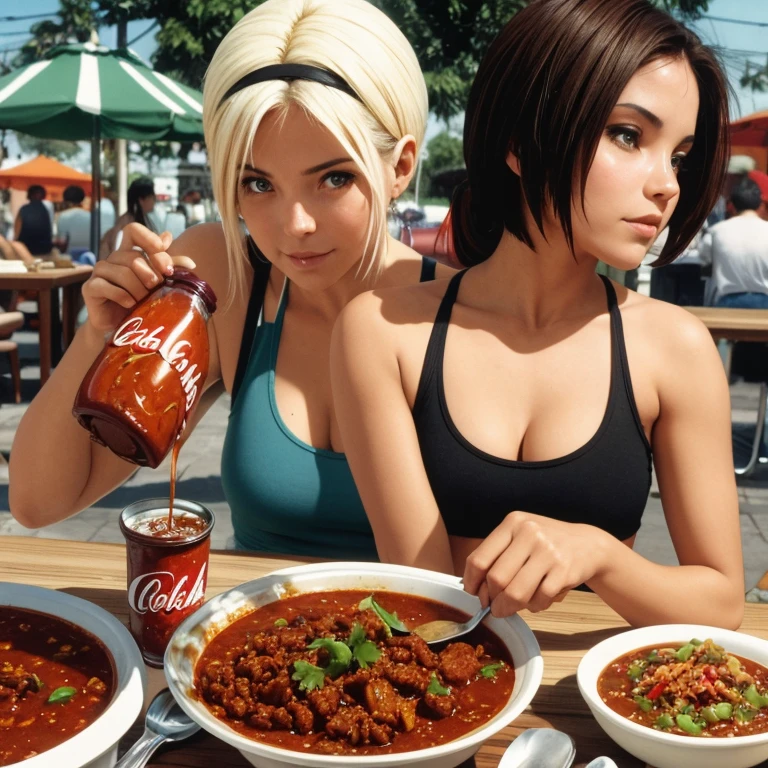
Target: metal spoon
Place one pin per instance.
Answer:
(440, 631)
(540, 748)
(165, 721)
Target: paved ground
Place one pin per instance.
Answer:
(199, 480)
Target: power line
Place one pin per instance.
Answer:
(26, 18)
(145, 32)
(734, 21)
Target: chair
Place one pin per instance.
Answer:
(10, 322)
(746, 447)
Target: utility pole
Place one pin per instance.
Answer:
(121, 147)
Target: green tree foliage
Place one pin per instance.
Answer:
(444, 153)
(55, 148)
(449, 36)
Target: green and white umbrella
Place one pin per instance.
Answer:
(89, 92)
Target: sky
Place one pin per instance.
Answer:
(739, 43)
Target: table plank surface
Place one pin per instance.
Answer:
(565, 632)
(733, 324)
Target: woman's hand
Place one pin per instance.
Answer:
(119, 282)
(530, 561)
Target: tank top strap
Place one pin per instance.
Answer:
(261, 270)
(428, 267)
(621, 381)
(433, 358)
(278, 322)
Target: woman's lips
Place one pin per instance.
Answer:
(308, 260)
(644, 230)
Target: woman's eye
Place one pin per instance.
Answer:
(256, 186)
(624, 137)
(678, 162)
(337, 179)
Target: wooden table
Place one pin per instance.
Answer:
(46, 284)
(96, 572)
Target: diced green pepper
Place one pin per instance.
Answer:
(645, 704)
(744, 714)
(710, 715)
(685, 723)
(724, 710)
(664, 721)
(687, 709)
(281, 623)
(634, 671)
(696, 642)
(754, 698)
(653, 656)
(685, 652)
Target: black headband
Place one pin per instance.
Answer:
(291, 72)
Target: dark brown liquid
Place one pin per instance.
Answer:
(174, 459)
(183, 526)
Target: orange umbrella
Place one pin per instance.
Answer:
(51, 174)
(750, 131)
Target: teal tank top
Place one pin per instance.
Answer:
(285, 495)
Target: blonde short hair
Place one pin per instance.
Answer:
(354, 40)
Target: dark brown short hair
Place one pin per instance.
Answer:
(545, 90)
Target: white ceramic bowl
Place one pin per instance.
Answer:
(669, 750)
(96, 745)
(189, 640)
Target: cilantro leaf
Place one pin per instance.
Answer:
(309, 675)
(364, 652)
(340, 655)
(490, 670)
(357, 635)
(436, 688)
(389, 619)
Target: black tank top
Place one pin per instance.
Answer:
(604, 483)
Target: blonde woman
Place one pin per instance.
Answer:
(315, 111)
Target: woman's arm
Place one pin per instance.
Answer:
(694, 467)
(380, 439)
(49, 442)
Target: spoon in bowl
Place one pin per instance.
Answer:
(165, 721)
(440, 631)
(540, 748)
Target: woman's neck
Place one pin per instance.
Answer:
(328, 303)
(539, 287)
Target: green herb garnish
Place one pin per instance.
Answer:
(281, 623)
(390, 619)
(435, 687)
(309, 675)
(490, 670)
(363, 650)
(340, 655)
(62, 695)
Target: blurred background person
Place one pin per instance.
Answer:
(33, 226)
(74, 222)
(141, 202)
(737, 249)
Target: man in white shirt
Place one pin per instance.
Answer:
(737, 249)
(74, 221)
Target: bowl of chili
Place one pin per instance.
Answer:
(314, 666)
(679, 695)
(72, 681)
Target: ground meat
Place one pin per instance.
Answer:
(324, 701)
(459, 663)
(418, 647)
(407, 678)
(277, 691)
(439, 706)
(257, 683)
